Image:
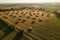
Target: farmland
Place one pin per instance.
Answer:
(44, 23)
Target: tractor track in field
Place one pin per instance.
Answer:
(48, 34)
(32, 37)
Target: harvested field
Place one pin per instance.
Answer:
(43, 25)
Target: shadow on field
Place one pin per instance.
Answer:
(19, 35)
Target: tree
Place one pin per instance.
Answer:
(57, 14)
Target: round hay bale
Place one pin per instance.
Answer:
(29, 29)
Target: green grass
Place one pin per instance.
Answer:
(51, 8)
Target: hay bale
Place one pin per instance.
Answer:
(16, 22)
(29, 29)
(33, 22)
(5, 17)
(42, 14)
(36, 16)
(48, 15)
(28, 17)
(40, 20)
(23, 21)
